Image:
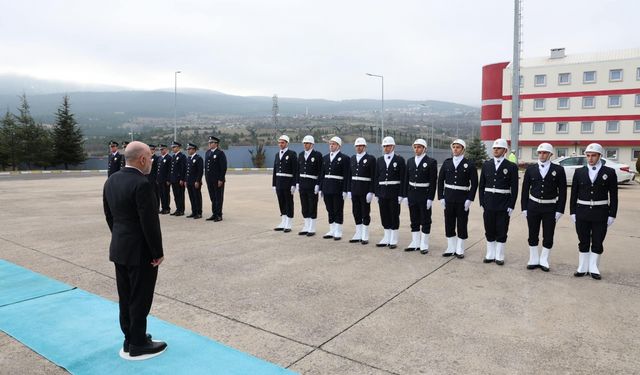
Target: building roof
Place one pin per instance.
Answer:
(580, 58)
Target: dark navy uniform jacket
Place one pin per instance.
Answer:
(504, 178)
(215, 165)
(417, 177)
(465, 175)
(604, 188)
(309, 170)
(194, 169)
(552, 186)
(390, 181)
(115, 163)
(164, 168)
(285, 170)
(362, 175)
(178, 167)
(153, 175)
(338, 167)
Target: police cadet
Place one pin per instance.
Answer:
(285, 171)
(194, 180)
(419, 190)
(177, 177)
(544, 195)
(164, 179)
(309, 170)
(115, 159)
(361, 188)
(215, 172)
(153, 175)
(334, 181)
(457, 186)
(498, 192)
(390, 176)
(593, 208)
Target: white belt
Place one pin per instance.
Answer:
(309, 176)
(389, 182)
(498, 191)
(284, 174)
(356, 178)
(543, 201)
(334, 177)
(592, 203)
(456, 187)
(419, 184)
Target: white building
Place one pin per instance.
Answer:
(568, 101)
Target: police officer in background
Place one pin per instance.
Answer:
(115, 159)
(544, 195)
(194, 180)
(334, 181)
(390, 176)
(457, 186)
(215, 172)
(419, 190)
(153, 175)
(285, 172)
(498, 187)
(163, 179)
(593, 208)
(362, 185)
(177, 177)
(309, 170)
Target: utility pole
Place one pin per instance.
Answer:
(515, 79)
(275, 112)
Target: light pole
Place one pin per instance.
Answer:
(431, 146)
(382, 106)
(175, 106)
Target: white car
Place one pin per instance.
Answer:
(571, 163)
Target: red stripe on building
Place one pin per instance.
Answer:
(490, 132)
(491, 112)
(583, 142)
(576, 118)
(492, 80)
(575, 93)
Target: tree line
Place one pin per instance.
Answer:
(27, 144)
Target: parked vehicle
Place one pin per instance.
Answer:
(571, 163)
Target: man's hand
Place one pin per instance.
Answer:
(293, 190)
(558, 216)
(316, 189)
(156, 262)
(197, 185)
(220, 183)
(573, 218)
(444, 205)
(467, 204)
(348, 195)
(168, 183)
(429, 204)
(181, 183)
(610, 221)
(509, 211)
(369, 197)
(274, 189)
(524, 213)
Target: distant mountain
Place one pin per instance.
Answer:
(13, 84)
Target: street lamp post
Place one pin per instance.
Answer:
(175, 106)
(431, 138)
(382, 105)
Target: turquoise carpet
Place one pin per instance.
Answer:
(79, 331)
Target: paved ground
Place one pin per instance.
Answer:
(324, 307)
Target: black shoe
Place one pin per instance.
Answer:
(211, 218)
(286, 230)
(382, 244)
(217, 218)
(485, 260)
(337, 238)
(596, 276)
(164, 212)
(303, 233)
(311, 234)
(353, 241)
(459, 256)
(545, 269)
(392, 246)
(327, 236)
(278, 229)
(174, 213)
(532, 266)
(198, 216)
(425, 251)
(447, 254)
(125, 345)
(151, 347)
(364, 242)
(410, 249)
(500, 262)
(579, 274)
(190, 216)
(179, 214)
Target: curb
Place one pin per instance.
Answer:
(13, 173)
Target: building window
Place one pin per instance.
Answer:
(615, 101)
(611, 153)
(540, 80)
(534, 153)
(615, 75)
(538, 127)
(613, 126)
(560, 152)
(588, 102)
(637, 100)
(638, 74)
(521, 81)
(562, 127)
(586, 127)
(582, 150)
(636, 127)
(519, 128)
(589, 77)
(635, 153)
(538, 104)
(564, 78)
(563, 103)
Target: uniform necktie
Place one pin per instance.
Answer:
(594, 168)
(389, 157)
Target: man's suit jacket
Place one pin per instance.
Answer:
(131, 210)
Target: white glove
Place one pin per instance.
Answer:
(429, 204)
(405, 201)
(345, 195)
(467, 204)
(320, 193)
(509, 211)
(349, 195)
(610, 221)
(274, 188)
(400, 200)
(293, 190)
(369, 197)
(316, 189)
(558, 216)
(573, 218)
(524, 213)
(443, 204)
(297, 187)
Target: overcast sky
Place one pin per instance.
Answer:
(426, 49)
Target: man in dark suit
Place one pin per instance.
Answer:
(362, 185)
(136, 246)
(593, 208)
(419, 190)
(309, 168)
(334, 181)
(153, 175)
(390, 176)
(115, 159)
(457, 186)
(177, 177)
(163, 179)
(544, 196)
(283, 182)
(194, 180)
(498, 193)
(215, 162)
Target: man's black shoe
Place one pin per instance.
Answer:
(596, 276)
(125, 345)
(424, 251)
(164, 212)
(211, 218)
(179, 214)
(579, 274)
(151, 347)
(198, 216)
(545, 269)
(500, 262)
(217, 218)
(485, 260)
(191, 215)
(532, 266)
(174, 213)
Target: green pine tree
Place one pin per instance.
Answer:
(477, 152)
(34, 141)
(9, 142)
(68, 143)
